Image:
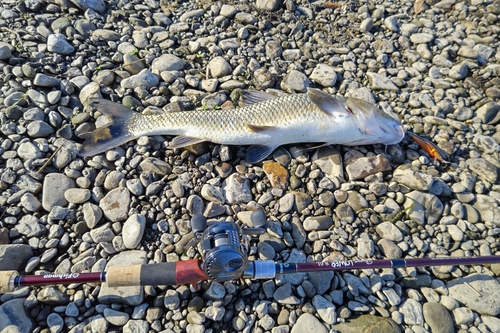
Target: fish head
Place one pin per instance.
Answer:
(376, 125)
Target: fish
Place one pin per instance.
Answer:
(264, 122)
(429, 147)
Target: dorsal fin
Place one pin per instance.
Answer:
(254, 96)
(327, 103)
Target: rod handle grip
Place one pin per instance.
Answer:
(7, 281)
(167, 273)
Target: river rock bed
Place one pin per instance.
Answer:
(435, 64)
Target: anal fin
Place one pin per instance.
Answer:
(313, 147)
(183, 141)
(257, 153)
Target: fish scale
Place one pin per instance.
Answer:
(265, 123)
(213, 124)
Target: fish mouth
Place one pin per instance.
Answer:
(374, 123)
(398, 135)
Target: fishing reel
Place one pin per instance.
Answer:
(224, 248)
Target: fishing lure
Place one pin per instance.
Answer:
(431, 149)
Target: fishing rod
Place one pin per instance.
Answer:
(224, 258)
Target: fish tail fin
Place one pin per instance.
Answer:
(112, 135)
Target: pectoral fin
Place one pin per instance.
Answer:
(183, 141)
(259, 128)
(327, 103)
(257, 153)
(254, 96)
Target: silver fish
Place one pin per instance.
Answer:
(265, 122)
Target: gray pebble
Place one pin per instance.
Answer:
(237, 189)
(218, 67)
(266, 251)
(144, 80)
(133, 230)
(318, 223)
(43, 80)
(55, 323)
(324, 75)
(117, 318)
(325, 309)
(215, 313)
(57, 43)
(115, 204)
(77, 195)
(412, 312)
(295, 81)
(39, 129)
(283, 295)
(389, 231)
(167, 62)
(215, 291)
(54, 187)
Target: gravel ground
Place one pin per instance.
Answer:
(434, 64)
